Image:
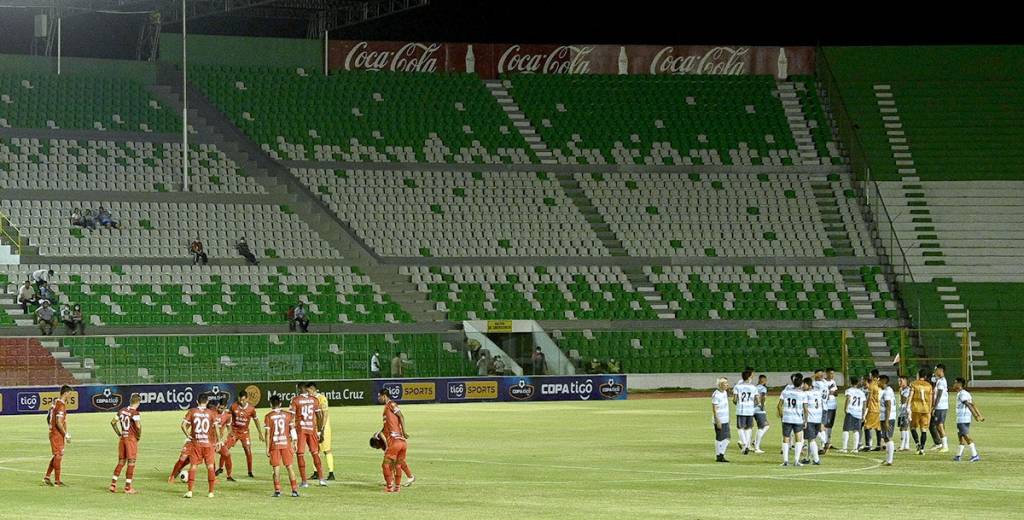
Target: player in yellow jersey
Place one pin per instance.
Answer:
(325, 443)
(920, 408)
(872, 418)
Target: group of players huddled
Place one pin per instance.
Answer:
(211, 428)
(807, 407)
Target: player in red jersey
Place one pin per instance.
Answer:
(57, 420)
(197, 426)
(280, 433)
(183, 458)
(395, 439)
(241, 413)
(309, 423)
(127, 426)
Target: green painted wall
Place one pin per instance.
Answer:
(143, 72)
(244, 51)
(923, 63)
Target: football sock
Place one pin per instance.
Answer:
(960, 450)
(814, 451)
(56, 467)
(319, 467)
(856, 439)
(117, 471)
(846, 439)
(760, 435)
(227, 464)
(785, 451)
(405, 468)
(191, 478)
(277, 482)
(889, 449)
(388, 476)
(211, 476)
(302, 467)
(129, 475)
(49, 467)
(974, 449)
(294, 483)
(945, 442)
(798, 450)
(329, 455)
(248, 458)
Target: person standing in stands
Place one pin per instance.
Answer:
(243, 249)
(46, 319)
(481, 364)
(41, 277)
(26, 296)
(397, 365)
(300, 317)
(290, 316)
(538, 361)
(65, 318)
(499, 367)
(375, 365)
(198, 253)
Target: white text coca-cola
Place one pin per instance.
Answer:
(567, 59)
(411, 57)
(716, 61)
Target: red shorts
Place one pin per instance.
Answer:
(127, 448)
(281, 456)
(307, 439)
(396, 450)
(236, 437)
(56, 443)
(200, 454)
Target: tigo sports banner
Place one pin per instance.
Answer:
(164, 397)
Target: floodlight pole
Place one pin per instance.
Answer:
(58, 45)
(184, 99)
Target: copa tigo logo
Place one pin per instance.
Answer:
(177, 396)
(107, 400)
(611, 389)
(216, 394)
(521, 391)
(581, 389)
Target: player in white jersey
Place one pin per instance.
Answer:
(965, 410)
(829, 418)
(815, 399)
(940, 407)
(793, 412)
(887, 407)
(744, 397)
(903, 421)
(856, 404)
(760, 415)
(822, 387)
(720, 418)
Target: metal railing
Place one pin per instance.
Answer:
(9, 231)
(883, 222)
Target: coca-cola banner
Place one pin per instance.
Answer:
(492, 60)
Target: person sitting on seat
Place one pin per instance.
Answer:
(88, 220)
(300, 318)
(26, 296)
(290, 316)
(613, 366)
(105, 220)
(65, 318)
(76, 218)
(46, 293)
(41, 276)
(46, 318)
(499, 366)
(595, 367)
(198, 253)
(243, 249)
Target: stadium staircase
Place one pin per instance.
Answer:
(499, 89)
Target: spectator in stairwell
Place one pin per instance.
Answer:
(243, 249)
(88, 220)
(78, 320)
(613, 366)
(41, 277)
(474, 350)
(26, 296)
(483, 364)
(398, 365)
(300, 318)
(595, 367)
(105, 220)
(375, 365)
(539, 362)
(290, 316)
(198, 253)
(499, 367)
(46, 319)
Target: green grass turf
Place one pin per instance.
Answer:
(627, 459)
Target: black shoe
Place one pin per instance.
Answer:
(231, 479)
(720, 458)
(251, 475)
(805, 461)
(746, 451)
(876, 448)
(330, 476)
(219, 471)
(314, 476)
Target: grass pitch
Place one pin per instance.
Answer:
(623, 459)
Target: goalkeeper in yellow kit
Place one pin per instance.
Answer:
(325, 444)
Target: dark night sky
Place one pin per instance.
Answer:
(555, 21)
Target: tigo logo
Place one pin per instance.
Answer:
(521, 391)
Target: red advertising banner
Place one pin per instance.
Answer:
(493, 60)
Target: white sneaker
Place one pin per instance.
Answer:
(209, 495)
(844, 451)
(758, 450)
(410, 481)
(323, 483)
(188, 494)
